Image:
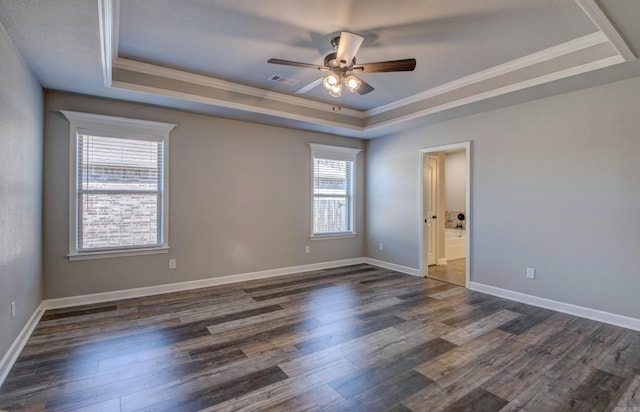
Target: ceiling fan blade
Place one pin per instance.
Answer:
(364, 87)
(348, 46)
(405, 65)
(309, 86)
(296, 64)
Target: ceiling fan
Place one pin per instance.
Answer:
(342, 67)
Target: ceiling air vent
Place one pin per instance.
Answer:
(284, 80)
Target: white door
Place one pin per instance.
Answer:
(432, 207)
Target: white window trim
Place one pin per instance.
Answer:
(87, 123)
(335, 153)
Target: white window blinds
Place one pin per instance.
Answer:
(332, 196)
(119, 193)
(118, 186)
(333, 189)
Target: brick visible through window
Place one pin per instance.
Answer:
(119, 194)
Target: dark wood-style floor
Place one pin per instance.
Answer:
(352, 338)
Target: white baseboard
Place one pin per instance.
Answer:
(12, 354)
(581, 311)
(393, 266)
(194, 284)
(442, 261)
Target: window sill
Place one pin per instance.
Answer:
(332, 236)
(119, 253)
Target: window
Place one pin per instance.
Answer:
(333, 181)
(118, 200)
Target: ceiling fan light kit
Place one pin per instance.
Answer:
(342, 64)
(333, 83)
(352, 83)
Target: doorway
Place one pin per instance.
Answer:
(445, 238)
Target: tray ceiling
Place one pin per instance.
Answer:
(212, 56)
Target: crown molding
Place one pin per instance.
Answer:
(550, 53)
(609, 61)
(155, 70)
(238, 106)
(602, 22)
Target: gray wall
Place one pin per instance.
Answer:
(239, 201)
(455, 169)
(20, 192)
(555, 186)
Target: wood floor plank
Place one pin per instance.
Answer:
(528, 368)
(550, 390)
(471, 375)
(314, 399)
(630, 399)
(353, 338)
(147, 360)
(110, 405)
(77, 311)
(313, 279)
(379, 306)
(624, 359)
(211, 395)
(257, 320)
(371, 325)
(351, 385)
(477, 400)
(256, 339)
(449, 293)
(480, 327)
(347, 350)
(289, 292)
(600, 392)
(529, 319)
(466, 353)
(386, 394)
(439, 309)
(186, 387)
(305, 379)
(399, 343)
(324, 331)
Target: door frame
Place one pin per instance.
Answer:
(437, 248)
(424, 153)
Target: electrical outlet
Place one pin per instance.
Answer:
(531, 273)
(307, 249)
(13, 309)
(172, 263)
(380, 246)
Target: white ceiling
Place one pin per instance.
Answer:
(211, 56)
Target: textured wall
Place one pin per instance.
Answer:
(20, 192)
(555, 186)
(239, 201)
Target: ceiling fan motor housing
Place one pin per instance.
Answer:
(335, 42)
(331, 62)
